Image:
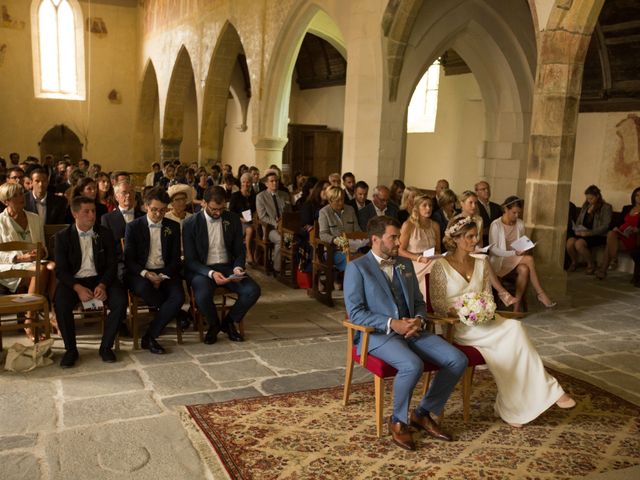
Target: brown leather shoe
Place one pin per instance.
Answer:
(401, 435)
(430, 426)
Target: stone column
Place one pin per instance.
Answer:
(269, 151)
(551, 149)
(169, 149)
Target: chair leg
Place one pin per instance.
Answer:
(347, 378)
(379, 395)
(466, 392)
(427, 382)
(134, 326)
(178, 330)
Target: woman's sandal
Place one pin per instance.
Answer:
(507, 298)
(545, 300)
(590, 270)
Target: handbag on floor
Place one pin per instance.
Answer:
(24, 358)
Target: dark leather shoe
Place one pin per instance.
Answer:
(107, 355)
(149, 343)
(212, 336)
(230, 329)
(401, 435)
(69, 358)
(427, 424)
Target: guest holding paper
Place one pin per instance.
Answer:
(590, 230)
(624, 235)
(334, 220)
(243, 202)
(504, 259)
(419, 234)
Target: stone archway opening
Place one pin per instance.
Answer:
(148, 128)
(60, 141)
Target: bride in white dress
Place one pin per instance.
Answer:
(525, 389)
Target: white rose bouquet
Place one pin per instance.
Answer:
(475, 308)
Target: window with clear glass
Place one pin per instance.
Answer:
(423, 107)
(58, 49)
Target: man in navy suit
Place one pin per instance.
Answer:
(380, 206)
(86, 270)
(214, 251)
(381, 291)
(152, 264)
(51, 208)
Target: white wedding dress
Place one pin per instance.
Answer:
(525, 389)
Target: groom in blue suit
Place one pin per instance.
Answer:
(381, 291)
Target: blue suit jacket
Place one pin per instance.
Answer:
(195, 237)
(137, 241)
(369, 300)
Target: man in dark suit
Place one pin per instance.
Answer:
(360, 199)
(51, 208)
(86, 271)
(152, 264)
(214, 251)
(117, 220)
(381, 291)
(488, 210)
(380, 206)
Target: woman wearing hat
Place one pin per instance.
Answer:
(502, 233)
(181, 196)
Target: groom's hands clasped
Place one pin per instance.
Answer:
(407, 327)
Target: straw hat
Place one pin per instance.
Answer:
(173, 190)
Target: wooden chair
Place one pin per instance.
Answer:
(263, 250)
(322, 266)
(288, 227)
(355, 236)
(379, 368)
(18, 303)
(50, 234)
(224, 295)
(140, 312)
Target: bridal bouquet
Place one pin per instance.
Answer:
(475, 308)
(342, 242)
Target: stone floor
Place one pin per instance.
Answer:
(108, 421)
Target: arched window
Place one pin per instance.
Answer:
(58, 49)
(423, 107)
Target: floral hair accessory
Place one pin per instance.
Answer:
(458, 224)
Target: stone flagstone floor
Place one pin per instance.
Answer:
(114, 421)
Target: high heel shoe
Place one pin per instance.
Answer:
(507, 298)
(546, 301)
(566, 402)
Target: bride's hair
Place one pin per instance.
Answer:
(457, 226)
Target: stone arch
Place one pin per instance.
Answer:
(148, 126)
(180, 85)
(271, 133)
(216, 92)
(501, 53)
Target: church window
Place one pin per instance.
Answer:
(58, 49)
(423, 107)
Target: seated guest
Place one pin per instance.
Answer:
(377, 294)
(214, 250)
(349, 182)
(242, 201)
(469, 208)
(106, 194)
(180, 196)
(380, 206)
(488, 210)
(18, 225)
(117, 220)
(590, 230)
(406, 205)
(154, 175)
(447, 209)
(334, 179)
(242, 169)
(87, 187)
(50, 208)
(441, 186)
(86, 270)
(624, 235)
(360, 199)
(335, 219)
(169, 177)
(270, 204)
(310, 210)
(15, 175)
(420, 233)
(152, 262)
(256, 185)
(229, 186)
(504, 259)
(305, 192)
(94, 170)
(296, 192)
(395, 192)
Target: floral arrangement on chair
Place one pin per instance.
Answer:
(475, 308)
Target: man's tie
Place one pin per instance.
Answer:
(275, 201)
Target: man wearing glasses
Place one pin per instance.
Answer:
(214, 256)
(152, 264)
(15, 175)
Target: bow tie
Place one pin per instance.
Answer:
(155, 225)
(387, 263)
(127, 212)
(85, 234)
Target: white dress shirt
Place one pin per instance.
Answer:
(87, 266)
(41, 206)
(379, 212)
(154, 260)
(217, 250)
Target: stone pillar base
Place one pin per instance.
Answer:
(269, 152)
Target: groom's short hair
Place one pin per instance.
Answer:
(378, 225)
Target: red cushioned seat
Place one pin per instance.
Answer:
(381, 368)
(473, 354)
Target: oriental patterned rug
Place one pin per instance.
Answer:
(310, 435)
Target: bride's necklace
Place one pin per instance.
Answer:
(462, 267)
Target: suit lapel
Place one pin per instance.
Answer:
(378, 274)
(405, 289)
(202, 233)
(163, 242)
(146, 237)
(76, 251)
